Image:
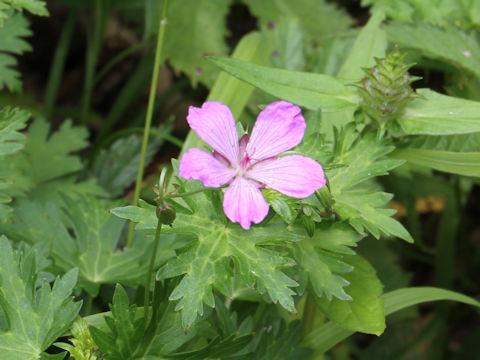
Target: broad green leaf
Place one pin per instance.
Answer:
(363, 158)
(34, 318)
(450, 44)
(312, 91)
(46, 167)
(320, 259)
(330, 334)
(231, 91)
(49, 155)
(371, 42)
(461, 163)
(196, 28)
(432, 113)
(87, 240)
(15, 27)
(364, 312)
(316, 17)
(205, 263)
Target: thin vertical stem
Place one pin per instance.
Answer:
(150, 107)
(309, 313)
(150, 268)
(87, 309)
(95, 38)
(58, 63)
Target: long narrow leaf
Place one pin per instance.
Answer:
(461, 163)
(328, 335)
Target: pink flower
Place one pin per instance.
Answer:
(251, 163)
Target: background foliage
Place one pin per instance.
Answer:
(390, 91)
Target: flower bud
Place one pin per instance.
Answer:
(385, 89)
(166, 213)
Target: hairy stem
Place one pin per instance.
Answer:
(150, 268)
(148, 120)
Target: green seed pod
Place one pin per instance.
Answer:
(166, 213)
(385, 89)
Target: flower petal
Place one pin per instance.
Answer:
(215, 124)
(295, 175)
(201, 165)
(244, 203)
(279, 127)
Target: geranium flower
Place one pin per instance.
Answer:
(251, 163)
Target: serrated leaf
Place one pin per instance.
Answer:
(219, 242)
(432, 113)
(129, 336)
(49, 156)
(284, 206)
(36, 7)
(35, 318)
(365, 312)
(367, 210)
(312, 91)
(11, 141)
(11, 121)
(87, 239)
(363, 159)
(46, 167)
(316, 17)
(321, 278)
(12, 31)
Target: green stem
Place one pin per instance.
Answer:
(94, 44)
(309, 313)
(148, 120)
(58, 63)
(88, 305)
(150, 268)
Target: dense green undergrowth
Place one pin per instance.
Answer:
(87, 270)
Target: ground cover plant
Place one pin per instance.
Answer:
(239, 179)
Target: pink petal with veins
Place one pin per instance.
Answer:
(215, 124)
(279, 127)
(244, 203)
(201, 165)
(295, 175)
